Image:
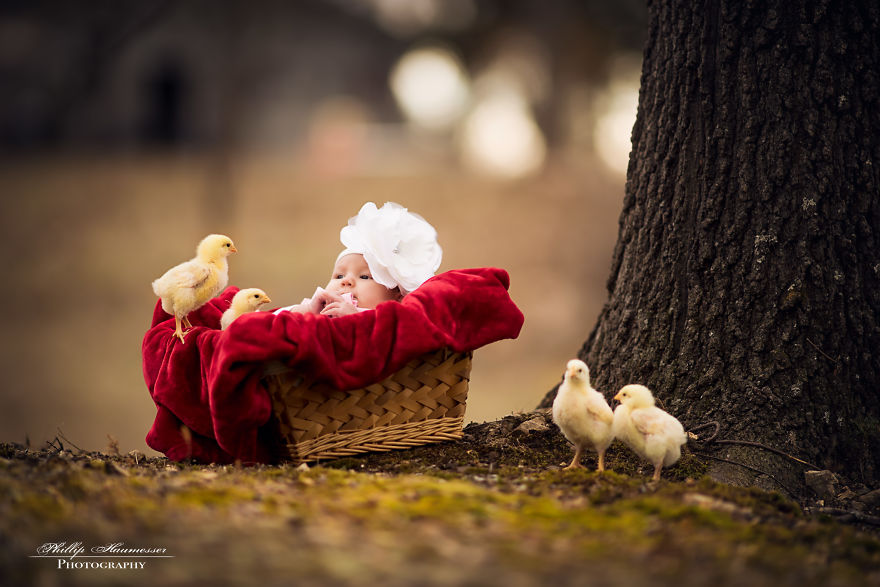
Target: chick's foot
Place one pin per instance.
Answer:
(575, 462)
(178, 329)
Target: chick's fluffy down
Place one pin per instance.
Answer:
(189, 285)
(246, 300)
(649, 431)
(582, 414)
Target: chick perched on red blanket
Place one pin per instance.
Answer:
(186, 287)
(246, 300)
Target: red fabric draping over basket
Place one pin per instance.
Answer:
(211, 383)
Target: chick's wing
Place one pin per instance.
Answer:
(599, 409)
(186, 275)
(649, 422)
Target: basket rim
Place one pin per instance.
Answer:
(276, 367)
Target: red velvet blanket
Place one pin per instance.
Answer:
(211, 383)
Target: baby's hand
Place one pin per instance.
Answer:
(340, 308)
(321, 298)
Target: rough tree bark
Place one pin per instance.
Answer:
(745, 284)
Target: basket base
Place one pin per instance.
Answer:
(422, 402)
(385, 438)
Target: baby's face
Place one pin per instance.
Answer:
(352, 274)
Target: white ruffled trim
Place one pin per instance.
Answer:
(399, 246)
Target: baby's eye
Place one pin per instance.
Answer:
(366, 276)
(337, 276)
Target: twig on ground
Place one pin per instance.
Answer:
(847, 516)
(770, 448)
(51, 444)
(693, 435)
(750, 468)
(713, 439)
(68, 441)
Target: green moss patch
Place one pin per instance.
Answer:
(486, 510)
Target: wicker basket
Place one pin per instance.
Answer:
(421, 403)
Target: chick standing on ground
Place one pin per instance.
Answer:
(582, 414)
(188, 286)
(246, 300)
(652, 433)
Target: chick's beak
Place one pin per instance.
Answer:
(267, 299)
(232, 249)
(616, 398)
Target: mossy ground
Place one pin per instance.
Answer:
(495, 508)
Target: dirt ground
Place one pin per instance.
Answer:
(84, 236)
(494, 508)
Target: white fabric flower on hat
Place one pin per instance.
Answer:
(399, 246)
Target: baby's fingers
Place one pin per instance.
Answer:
(327, 296)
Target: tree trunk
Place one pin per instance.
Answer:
(745, 284)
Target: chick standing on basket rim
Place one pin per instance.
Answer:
(389, 252)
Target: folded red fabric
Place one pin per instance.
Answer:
(211, 384)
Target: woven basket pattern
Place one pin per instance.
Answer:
(421, 403)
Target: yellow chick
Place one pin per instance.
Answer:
(246, 300)
(188, 286)
(582, 414)
(652, 433)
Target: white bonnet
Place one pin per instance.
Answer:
(399, 246)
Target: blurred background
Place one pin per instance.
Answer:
(129, 130)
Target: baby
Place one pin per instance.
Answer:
(351, 289)
(388, 253)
